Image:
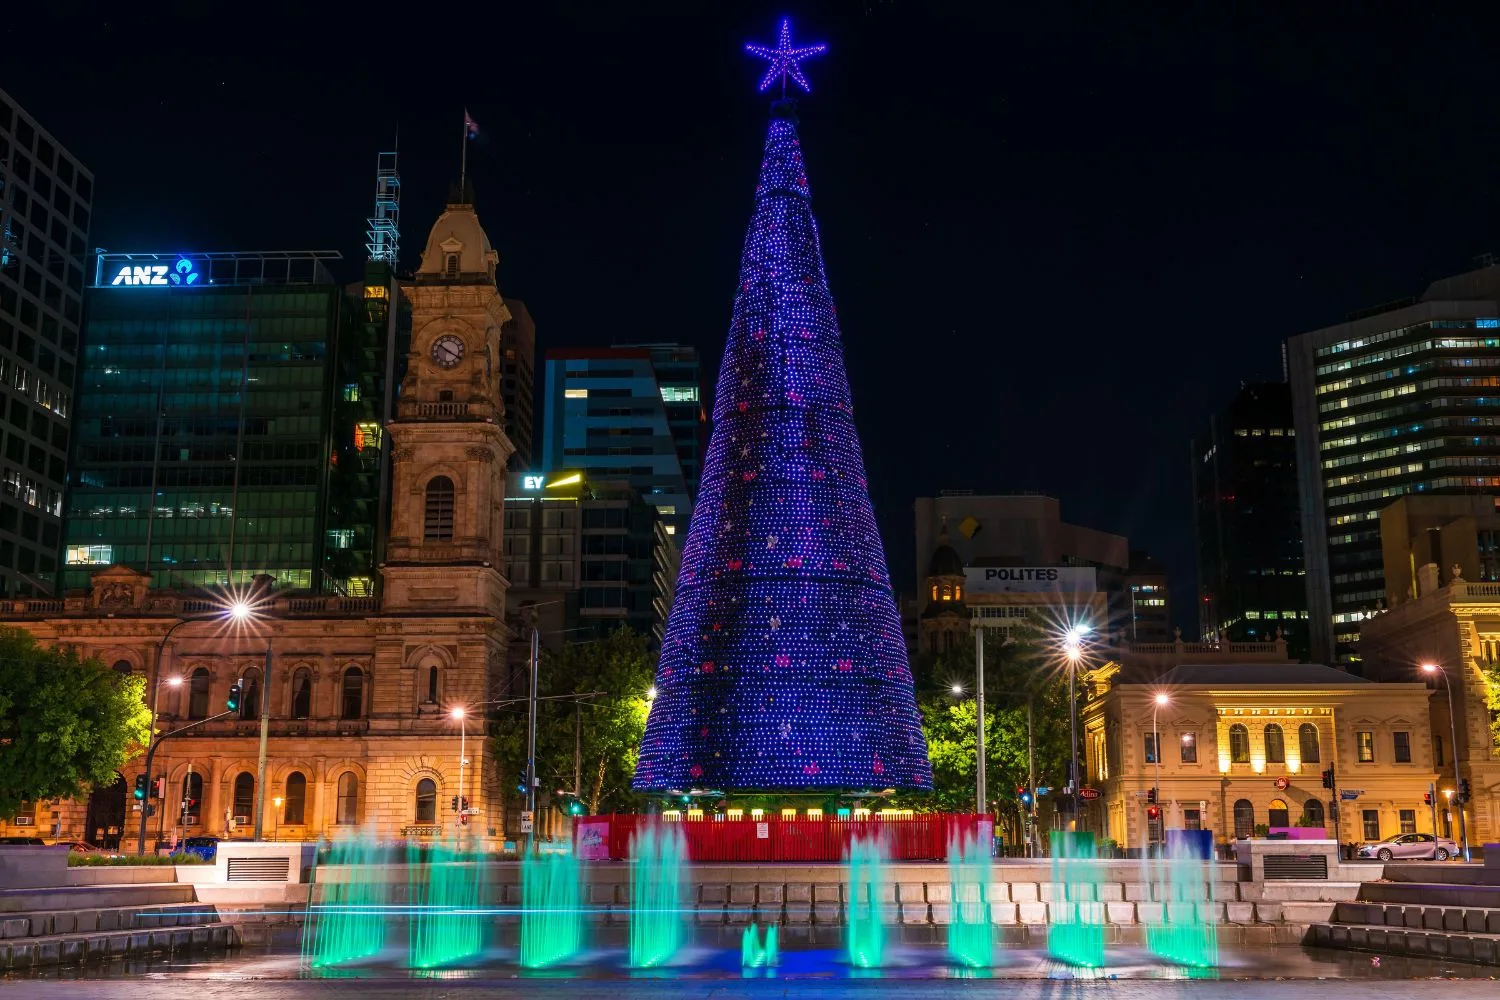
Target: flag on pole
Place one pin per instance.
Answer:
(471, 127)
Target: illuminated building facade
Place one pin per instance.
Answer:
(1150, 597)
(46, 204)
(206, 421)
(619, 413)
(1404, 400)
(1248, 521)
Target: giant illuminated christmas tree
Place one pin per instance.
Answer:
(783, 665)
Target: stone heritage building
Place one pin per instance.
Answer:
(361, 689)
(1245, 735)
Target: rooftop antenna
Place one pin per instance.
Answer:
(383, 238)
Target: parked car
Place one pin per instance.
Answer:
(206, 848)
(1411, 845)
(22, 842)
(77, 847)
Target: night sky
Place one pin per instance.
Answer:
(1059, 238)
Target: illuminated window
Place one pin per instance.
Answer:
(958, 593)
(1239, 744)
(341, 538)
(1365, 741)
(376, 292)
(1307, 739)
(367, 434)
(351, 393)
(575, 394)
(934, 597)
(1275, 745)
(90, 555)
(678, 393)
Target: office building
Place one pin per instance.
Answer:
(1150, 597)
(1248, 521)
(680, 378)
(205, 419)
(46, 203)
(1400, 400)
(517, 381)
(617, 413)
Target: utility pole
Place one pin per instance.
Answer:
(536, 646)
(578, 749)
(981, 800)
(265, 733)
(1030, 780)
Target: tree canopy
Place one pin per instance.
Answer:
(66, 723)
(606, 730)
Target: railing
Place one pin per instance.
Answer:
(447, 408)
(918, 838)
(329, 605)
(50, 607)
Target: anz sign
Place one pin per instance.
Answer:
(135, 275)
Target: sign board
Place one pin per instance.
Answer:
(763, 831)
(1031, 579)
(1281, 784)
(1089, 794)
(1350, 794)
(592, 840)
(135, 275)
(525, 821)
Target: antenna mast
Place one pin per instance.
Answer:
(384, 234)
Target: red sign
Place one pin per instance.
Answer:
(1088, 794)
(1281, 784)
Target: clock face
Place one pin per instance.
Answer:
(447, 351)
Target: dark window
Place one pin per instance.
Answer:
(354, 693)
(250, 694)
(1189, 749)
(1401, 744)
(348, 805)
(1278, 814)
(1437, 750)
(438, 523)
(296, 798)
(122, 666)
(1244, 818)
(426, 801)
(1275, 745)
(198, 694)
(1364, 741)
(1307, 736)
(244, 795)
(432, 686)
(302, 693)
(1239, 744)
(1312, 813)
(1372, 825)
(1151, 748)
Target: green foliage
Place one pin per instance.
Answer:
(66, 724)
(147, 860)
(1491, 673)
(612, 724)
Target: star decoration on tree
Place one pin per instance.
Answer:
(784, 59)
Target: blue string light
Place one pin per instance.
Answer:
(784, 664)
(785, 59)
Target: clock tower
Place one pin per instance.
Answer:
(448, 445)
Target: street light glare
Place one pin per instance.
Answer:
(957, 689)
(239, 610)
(1430, 667)
(457, 712)
(1162, 699)
(651, 693)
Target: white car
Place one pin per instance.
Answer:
(1411, 845)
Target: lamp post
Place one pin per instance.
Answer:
(957, 691)
(1463, 831)
(463, 759)
(1157, 702)
(981, 798)
(1073, 650)
(276, 817)
(243, 611)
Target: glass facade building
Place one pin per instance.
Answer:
(1402, 400)
(46, 201)
(221, 411)
(632, 414)
(1251, 579)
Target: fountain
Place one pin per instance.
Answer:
(551, 917)
(349, 921)
(865, 931)
(659, 869)
(447, 897)
(1187, 934)
(757, 955)
(1076, 934)
(970, 939)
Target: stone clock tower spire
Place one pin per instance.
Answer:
(448, 446)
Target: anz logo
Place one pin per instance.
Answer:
(181, 273)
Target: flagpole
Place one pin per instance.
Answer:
(463, 168)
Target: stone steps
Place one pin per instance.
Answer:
(48, 923)
(1482, 949)
(65, 949)
(91, 932)
(73, 897)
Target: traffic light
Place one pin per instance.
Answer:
(463, 803)
(1427, 798)
(575, 808)
(521, 783)
(455, 803)
(1151, 796)
(140, 788)
(1153, 813)
(1328, 777)
(1463, 791)
(1026, 798)
(233, 701)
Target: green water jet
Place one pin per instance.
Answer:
(447, 894)
(970, 939)
(347, 908)
(1076, 933)
(658, 856)
(755, 954)
(865, 933)
(1187, 932)
(551, 917)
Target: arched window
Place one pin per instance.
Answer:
(250, 694)
(302, 693)
(1307, 736)
(1312, 813)
(450, 266)
(1279, 814)
(432, 685)
(244, 795)
(295, 799)
(1244, 818)
(123, 667)
(1275, 744)
(427, 801)
(1239, 744)
(347, 813)
(437, 525)
(198, 686)
(192, 797)
(354, 693)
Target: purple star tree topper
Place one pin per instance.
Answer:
(784, 59)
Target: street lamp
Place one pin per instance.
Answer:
(458, 714)
(1160, 700)
(651, 693)
(1463, 832)
(957, 690)
(1073, 650)
(276, 817)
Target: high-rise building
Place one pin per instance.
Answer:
(679, 375)
(1249, 522)
(1150, 598)
(1398, 400)
(607, 414)
(205, 415)
(517, 378)
(46, 199)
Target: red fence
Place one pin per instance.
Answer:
(919, 838)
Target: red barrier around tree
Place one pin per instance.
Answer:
(923, 837)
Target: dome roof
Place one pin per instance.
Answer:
(458, 232)
(945, 562)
